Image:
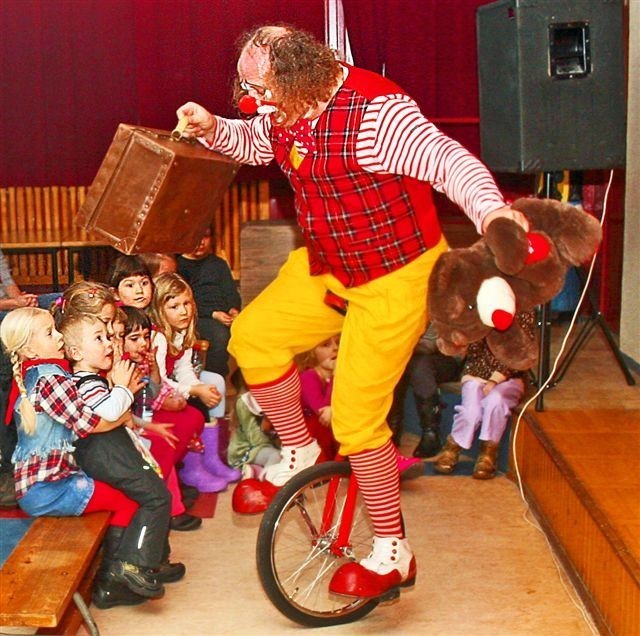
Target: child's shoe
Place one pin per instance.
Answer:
(487, 461)
(142, 581)
(410, 467)
(185, 522)
(294, 459)
(107, 594)
(171, 572)
(195, 474)
(391, 564)
(448, 457)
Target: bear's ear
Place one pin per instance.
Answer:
(508, 243)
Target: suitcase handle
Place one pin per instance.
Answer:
(176, 133)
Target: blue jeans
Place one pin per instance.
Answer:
(66, 497)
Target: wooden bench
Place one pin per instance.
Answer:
(52, 565)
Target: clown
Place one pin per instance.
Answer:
(361, 159)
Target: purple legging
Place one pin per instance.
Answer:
(489, 413)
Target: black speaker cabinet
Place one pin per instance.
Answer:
(552, 85)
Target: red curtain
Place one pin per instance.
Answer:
(73, 69)
(428, 48)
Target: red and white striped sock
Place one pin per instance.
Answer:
(379, 481)
(280, 400)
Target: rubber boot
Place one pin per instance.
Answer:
(487, 462)
(429, 412)
(212, 462)
(108, 593)
(195, 474)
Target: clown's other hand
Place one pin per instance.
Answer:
(509, 213)
(200, 122)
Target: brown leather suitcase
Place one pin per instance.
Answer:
(153, 193)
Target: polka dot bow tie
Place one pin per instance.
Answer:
(302, 134)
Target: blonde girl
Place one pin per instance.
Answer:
(174, 317)
(50, 417)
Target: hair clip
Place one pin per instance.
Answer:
(92, 292)
(59, 301)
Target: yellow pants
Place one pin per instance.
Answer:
(385, 319)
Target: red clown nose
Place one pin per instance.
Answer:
(249, 105)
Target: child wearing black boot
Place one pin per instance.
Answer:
(118, 457)
(426, 369)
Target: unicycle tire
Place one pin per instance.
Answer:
(296, 562)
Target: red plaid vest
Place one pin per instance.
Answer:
(356, 225)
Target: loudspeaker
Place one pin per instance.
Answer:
(551, 84)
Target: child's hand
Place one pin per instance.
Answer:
(488, 386)
(207, 393)
(122, 372)
(163, 430)
(174, 402)
(136, 382)
(324, 416)
(223, 317)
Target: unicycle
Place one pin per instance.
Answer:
(315, 523)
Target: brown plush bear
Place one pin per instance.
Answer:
(475, 292)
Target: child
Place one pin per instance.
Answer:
(490, 390)
(173, 314)
(316, 380)
(119, 458)
(169, 408)
(50, 418)
(427, 368)
(158, 263)
(88, 297)
(252, 445)
(130, 279)
(217, 299)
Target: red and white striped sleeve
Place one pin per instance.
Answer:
(246, 141)
(396, 138)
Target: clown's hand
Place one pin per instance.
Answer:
(200, 122)
(506, 212)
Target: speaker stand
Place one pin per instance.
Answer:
(544, 325)
(595, 319)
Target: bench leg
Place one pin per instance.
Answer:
(92, 628)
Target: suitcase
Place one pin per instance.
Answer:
(155, 193)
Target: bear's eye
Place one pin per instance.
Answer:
(471, 307)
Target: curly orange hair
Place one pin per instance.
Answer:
(303, 71)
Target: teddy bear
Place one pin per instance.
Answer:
(476, 292)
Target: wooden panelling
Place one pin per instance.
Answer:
(55, 208)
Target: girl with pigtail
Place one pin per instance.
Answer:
(50, 418)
